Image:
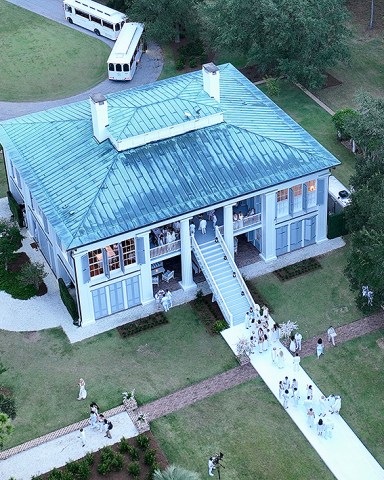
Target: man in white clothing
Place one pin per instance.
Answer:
(296, 363)
(247, 320)
(331, 335)
(203, 226)
(211, 467)
(298, 339)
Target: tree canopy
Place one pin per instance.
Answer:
(365, 215)
(296, 38)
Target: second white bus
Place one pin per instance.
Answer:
(126, 53)
(91, 15)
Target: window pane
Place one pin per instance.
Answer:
(128, 248)
(118, 67)
(95, 262)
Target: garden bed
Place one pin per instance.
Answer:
(9, 280)
(138, 326)
(300, 268)
(122, 455)
(209, 312)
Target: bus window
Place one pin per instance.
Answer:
(118, 67)
(108, 25)
(96, 20)
(68, 8)
(82, 14)
(111, 67)
(125, 67)
(117, 27)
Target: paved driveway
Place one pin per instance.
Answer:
(148, 70)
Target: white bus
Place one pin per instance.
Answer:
(93, 16)
(126, 52)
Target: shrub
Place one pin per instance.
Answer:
(80, 469)
(180, 64)
(150, 457)
(124, 445)
(89, 458)
(10, 241)
(7, 405)
(60, 475)
(68, 301)
(33, 274)
(340, 120)
(337, 225)
(16, 210)
(133, 453)
(142, 441)
(134, 469)
(192, 62)
(219, 326)
(273, 87)
(137, 326)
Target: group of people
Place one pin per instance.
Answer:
(289, 390)
(166, 235)
(257, 321)
(97, 420)
(164, 299)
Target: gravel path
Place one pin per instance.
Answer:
(148, 70)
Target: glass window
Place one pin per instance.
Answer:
(128, 249)
(108, 25)
(282, 202)
(82, 14)
(96, 20)
(311, 193)
(111, 67)
(95, 259)
(117, 27)
(118, 67)
(113, 256)
(297, 197)
(125, 67)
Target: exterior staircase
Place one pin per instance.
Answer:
(224, 279)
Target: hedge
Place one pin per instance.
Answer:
(15, 209)
(337, 225)
(68, 301)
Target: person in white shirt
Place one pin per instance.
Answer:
(296, 363)
(203, 226)
(211, 467)
(298, 339)
(247, 320)
(192, 229)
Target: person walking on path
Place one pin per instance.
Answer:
(109, 428)
(320, 427)
(296, 397)
(322, 406)
(331, 335)
(337, 405)
(82, 391)
(298, 339)
(274, 355)
(296, 363)
(294, 384)
(286, 383)
(319, 348)
(280, 358)
(281, 389)
(82, 437)
(285, 398)
(93, 420)
(247, 320)
(311, 417)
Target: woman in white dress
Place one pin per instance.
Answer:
(280, 359)
(82, 391)
(292, 345)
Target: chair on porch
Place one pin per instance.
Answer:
(155, 280)
(168, 275)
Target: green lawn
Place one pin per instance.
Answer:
(355, 371)
(318, 123)
(365, 71)
(314, 300)
(41, 59)
(44, 368)
(249, 426)
(259, 441)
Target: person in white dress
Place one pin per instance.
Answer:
(296, 397)
(319, 348)
(296, 363)
(310, 417)
(280, 358)
(247, 320)
(331, 335)
(292, 345)
(203, 226)
(192, 229)
(273, 354)
(322, 406)
(285, 398)
(214, 221)
(82, 391)
(165, 303)
(320, 427)
(337, 405)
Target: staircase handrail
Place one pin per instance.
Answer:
(215, 289)
(235, 269)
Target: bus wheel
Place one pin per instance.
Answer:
(70, 20)
(97, 32)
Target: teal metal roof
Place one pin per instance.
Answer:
(90, 191)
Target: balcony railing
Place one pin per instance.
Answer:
(247, 221)
(165, 249)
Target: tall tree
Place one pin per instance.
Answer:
(365, 216)
(296, 38)
(165, 20)
(6, 428)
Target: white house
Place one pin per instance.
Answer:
(110, 185)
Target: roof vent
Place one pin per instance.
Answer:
(211, 80)
(99, 110)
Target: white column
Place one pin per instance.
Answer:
(322, 217)
(269, 227)
(146, 273)
(228, 228)
(84, 295)
(187, 282)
